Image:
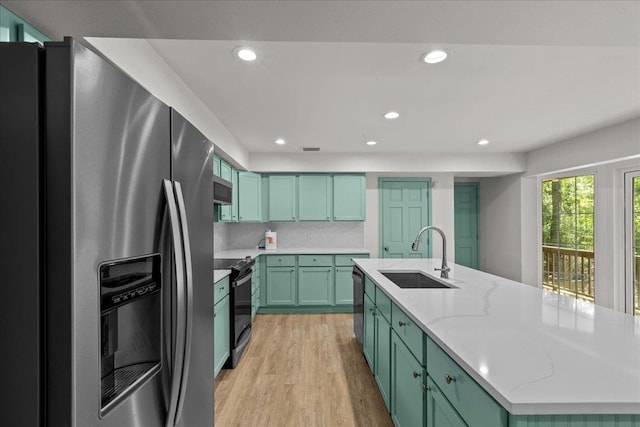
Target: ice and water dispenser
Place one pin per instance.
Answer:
(130, 326)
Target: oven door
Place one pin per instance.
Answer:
(241, 288)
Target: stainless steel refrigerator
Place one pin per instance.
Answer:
(106, 253)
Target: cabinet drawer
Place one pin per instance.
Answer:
(315, 260)
(281, 261)
(383, 303)
(345, 260)
(370, 288)
(409, 332)
(220, 289)
(467, 396)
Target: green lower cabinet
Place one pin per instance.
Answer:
(440, 412)
(344, 286)
(408, 399)
(315, 286)
(281, 286)
(382, 356)
(573, 420)
(255, 303)
(368, 345)
(221, 334)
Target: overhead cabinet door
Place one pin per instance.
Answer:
(314, 197)
(249, 197)
(349, 198)
(282, 198)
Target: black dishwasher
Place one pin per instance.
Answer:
(358, 303)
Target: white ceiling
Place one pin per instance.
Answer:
(522, 74)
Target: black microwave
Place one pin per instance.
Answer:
(222, 190)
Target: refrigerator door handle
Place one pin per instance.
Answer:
(189, 298)
(178, 258)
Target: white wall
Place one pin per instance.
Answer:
(605, 145)
(138, 59)
(500, 226)
(441, 210)
(510, 233)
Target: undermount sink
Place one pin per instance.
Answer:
(414, 279)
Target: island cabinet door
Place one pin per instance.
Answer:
(281, 287)
(408, 397)
(440, 413)
(382, 355)
(315, 286)
(369, 331)
(344, 286)
(221, 334)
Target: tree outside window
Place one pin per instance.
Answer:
(568, 258)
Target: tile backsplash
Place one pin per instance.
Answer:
(290, 235)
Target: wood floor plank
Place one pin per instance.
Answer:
(300, 370)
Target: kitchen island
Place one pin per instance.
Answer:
(534, 352)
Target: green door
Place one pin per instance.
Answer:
(349, 197)
(404, 210)
(314, 197)
(221, 334)
(282, 197)
(408, 406)
(281, 286)
(344, 286)
(382, 371)
(465, 200)
(216, 165)
(439, 411)
(315, 286)
(249, 197)
(369, 331)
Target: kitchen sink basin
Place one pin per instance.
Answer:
(414, 279)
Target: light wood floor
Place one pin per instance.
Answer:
(300, 370)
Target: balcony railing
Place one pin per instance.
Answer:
(572, 272)
(569, 271)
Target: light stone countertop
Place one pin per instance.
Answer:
(241, 253)
(534, 351)
(220, 274)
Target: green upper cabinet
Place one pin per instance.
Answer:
(249, 197)
(216, 165)
(349, 198)
(314, 197)
(225, 170)
(228, 213)
(282, 197)
(15, 29)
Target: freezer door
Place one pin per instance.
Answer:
(108, 150)
(191, 156)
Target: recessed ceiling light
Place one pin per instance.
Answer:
(371, 143)
(434, 56)
(392, 115)
(280, 141)
(246, 54)
(483, 142)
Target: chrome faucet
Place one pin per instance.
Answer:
(444, 270)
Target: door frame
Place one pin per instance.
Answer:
(384, 179)
(629, 238)
(475, 184)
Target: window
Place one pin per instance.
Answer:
(632, 216)
(568, 258)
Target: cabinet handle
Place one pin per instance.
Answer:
(449, 379)
(425, 388)
(215, 314)
(279, 259)
(416, 375)
(291, 270)
(315, 259)
(401, 324)
(372, 310)
(293, 217)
